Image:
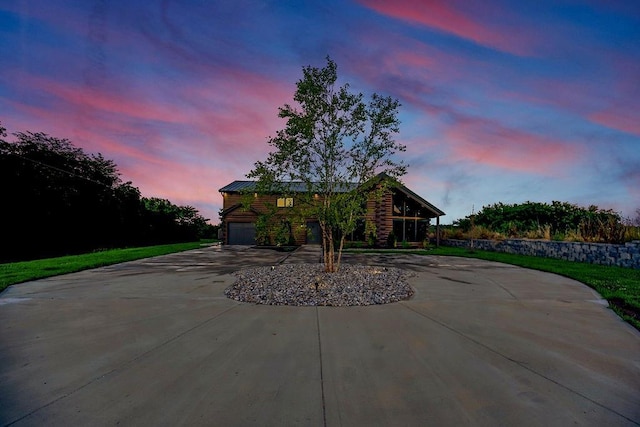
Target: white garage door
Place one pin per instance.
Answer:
(242, 233)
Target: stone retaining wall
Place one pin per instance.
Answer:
(626, 255)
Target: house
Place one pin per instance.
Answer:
(399, 210)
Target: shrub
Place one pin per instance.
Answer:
(606, 229)
(542, 232)
(391, 240)
(263, 236)
(631, 233)
(558, 237)
(546, 221)
(573, 236)
(283, 235)
(370, 231)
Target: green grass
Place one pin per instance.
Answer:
(619, 286)
(18, 272)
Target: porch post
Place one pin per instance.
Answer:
(438, 231)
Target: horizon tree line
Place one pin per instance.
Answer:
(59, 200)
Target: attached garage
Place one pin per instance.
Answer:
(241, 233)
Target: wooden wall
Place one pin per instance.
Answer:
(378, 211)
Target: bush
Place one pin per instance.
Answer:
(542, 232)
(544, 221)
(631, 233)
(283, 234)
(391, 240)
(608, 229)
(370, 231)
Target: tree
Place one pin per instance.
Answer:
(61, 200)
(333, 143)
(167, 222)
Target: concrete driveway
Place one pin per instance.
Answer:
(155, 342)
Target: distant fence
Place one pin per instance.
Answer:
(626, 255)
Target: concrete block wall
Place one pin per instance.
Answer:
(626, 255)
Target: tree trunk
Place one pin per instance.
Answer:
(327, 248)
(342, 239)
(324, 243)
(329, 259)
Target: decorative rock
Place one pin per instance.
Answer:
(310, 285)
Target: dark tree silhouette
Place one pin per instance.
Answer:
(59, 200)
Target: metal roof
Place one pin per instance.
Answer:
(294, 187)
(237, 186)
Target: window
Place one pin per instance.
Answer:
(398, 229)
(358, 234)
(410, 229)
(407, 207)
(285, 202)
(410, 219)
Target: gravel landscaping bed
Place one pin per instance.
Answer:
(309, 285)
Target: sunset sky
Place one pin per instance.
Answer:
(502, 101)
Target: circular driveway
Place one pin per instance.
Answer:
(155, 342)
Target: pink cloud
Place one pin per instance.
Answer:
(128, 105)
(95, 135)
(619, 119)
(240, 107)
(458, 20)
(622, 101)
(431, 80)
(182, 147)
(597, 104)
(155, 174)
(489, 143)
(425, 78)
(419, 75)
(236, 108)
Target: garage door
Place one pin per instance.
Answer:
(242, 233)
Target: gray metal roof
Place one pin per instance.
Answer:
(237, 186)
(295, 187)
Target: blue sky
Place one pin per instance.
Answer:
(502, 101)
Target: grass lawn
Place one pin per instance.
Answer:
(619, 286)
(17, 272)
